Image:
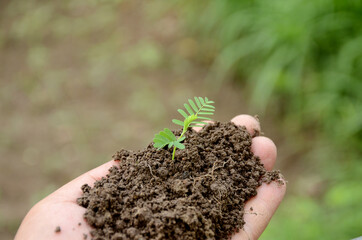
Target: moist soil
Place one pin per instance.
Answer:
(199, 195)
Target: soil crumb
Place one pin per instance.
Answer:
(199, 195)
(57, 229)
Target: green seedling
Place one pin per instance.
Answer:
(201, 106)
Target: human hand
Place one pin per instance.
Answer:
(61, 209)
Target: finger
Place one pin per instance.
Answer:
(248, 121)
(263, 207)
(262, 147)
(269, 195)
(266, 150)
(72, 190)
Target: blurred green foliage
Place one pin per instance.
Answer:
(301, 62)
(305, 55)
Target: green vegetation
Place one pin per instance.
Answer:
(299, 63)
(166, 137)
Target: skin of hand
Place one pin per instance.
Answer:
(60, 207)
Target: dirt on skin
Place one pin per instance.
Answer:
(57, 229)
(199, 195)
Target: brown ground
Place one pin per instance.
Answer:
(199, 195)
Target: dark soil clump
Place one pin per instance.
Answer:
(200, 195)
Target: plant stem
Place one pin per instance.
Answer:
(173, 153)
(183, 132)
(174, 148)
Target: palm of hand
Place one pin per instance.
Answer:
(60, 208)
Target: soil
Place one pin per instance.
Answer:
(199, 195)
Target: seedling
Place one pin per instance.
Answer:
(202, 107)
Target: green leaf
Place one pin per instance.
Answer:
(208, 109)
(197, 102)
(193, 105)
(166, 136)
(169, 133)
(209, 106)
(179, 145)
(182, 112)
(202, 123)
(188, 109)
(194, 108)
(161, 139)
(178, 122)
(206, 113)
(202, 101)
(181, 139)
(159, 145)
(204, 118)
(208, 101)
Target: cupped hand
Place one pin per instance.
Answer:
(61, 209)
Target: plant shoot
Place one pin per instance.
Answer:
(201, 106)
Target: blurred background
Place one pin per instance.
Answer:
(81, 79)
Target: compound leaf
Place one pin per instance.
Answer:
(159, 145)
(178, 122)
(202, 123)
(197, 102)
(208, 110)
(204, 118)
(188, 109)
(170, 144)
(179, 145)
(182, 112)
(160, 138)
(209, 106)
(202, 101)
(170, 134)
(181, 139)
(201, 106)
(192, 104)
(206, 113)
